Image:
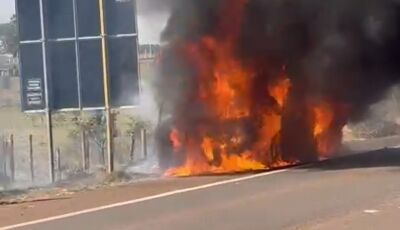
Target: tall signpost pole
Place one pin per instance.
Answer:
(85, 157)
(107, 95)
(50, 144)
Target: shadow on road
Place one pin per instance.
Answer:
(374, 159)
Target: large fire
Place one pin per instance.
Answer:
(234, 132)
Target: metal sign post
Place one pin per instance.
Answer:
(50, 139)
(78, 80)
(107, 95)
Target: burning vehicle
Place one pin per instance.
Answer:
(255, 85)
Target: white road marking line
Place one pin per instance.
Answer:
(371, 211)
(135, 201)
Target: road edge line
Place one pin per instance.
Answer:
(148, 198)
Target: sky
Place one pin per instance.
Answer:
(7, 9)
(150, 24)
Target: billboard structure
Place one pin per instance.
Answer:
(78, 55)
(71, 35)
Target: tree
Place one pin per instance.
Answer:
(94, 126)
(9, 36)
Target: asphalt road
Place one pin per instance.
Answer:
(353, 192)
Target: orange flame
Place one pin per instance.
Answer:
(200, 158)
(280, 91)
(175, 139)
(324, 116)
(225, 90)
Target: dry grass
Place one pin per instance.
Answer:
(21, 125)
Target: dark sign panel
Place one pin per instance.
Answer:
(89, 10)
(62, 69)
(91, 73)
(59, 18)
(123, 71)
(32, 80)
(34, 95)
(29, 20)
(71, 50)
(120, 15)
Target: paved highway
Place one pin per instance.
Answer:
(352, 192)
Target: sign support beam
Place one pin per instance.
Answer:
(49, 120)
(107, 95)
(84, 153)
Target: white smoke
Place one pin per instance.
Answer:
(152, 17)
